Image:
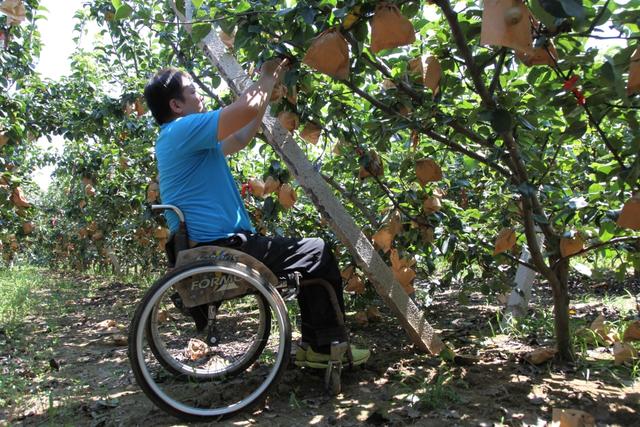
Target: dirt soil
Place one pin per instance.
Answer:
(88, 381)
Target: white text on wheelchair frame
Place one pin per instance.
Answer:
(223, 281)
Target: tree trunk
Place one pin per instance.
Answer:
(561, 311)
(556, 273)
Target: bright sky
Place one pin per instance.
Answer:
(57, 36)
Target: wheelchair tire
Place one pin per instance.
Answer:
(188, 388)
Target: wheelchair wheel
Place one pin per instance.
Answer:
(168, 343)
(194, 381)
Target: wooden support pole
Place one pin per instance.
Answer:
(378, 273)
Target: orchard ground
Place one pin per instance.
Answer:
(60, 368)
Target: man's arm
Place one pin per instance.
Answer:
(237, 141)
(253, 101)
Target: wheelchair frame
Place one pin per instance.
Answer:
(214, 276)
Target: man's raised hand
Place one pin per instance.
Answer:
(274, 67)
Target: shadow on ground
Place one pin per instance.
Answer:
(88, 381)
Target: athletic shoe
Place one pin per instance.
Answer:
(312, 359)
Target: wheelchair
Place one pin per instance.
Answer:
(236, 354)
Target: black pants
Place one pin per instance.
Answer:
(313, 259)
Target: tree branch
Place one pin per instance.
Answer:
(592, 120)
(623, 107)
(459, 148)
(549, 167)
(221, 18)
(591, 36)
(193, 75)
(600, 245)
(349, 195)
(521, 262)
(496, 75)
(415, 126)
(597, 18)
(518, 165)
(463, 47)
(534, 246)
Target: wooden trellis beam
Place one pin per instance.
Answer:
(378, 273)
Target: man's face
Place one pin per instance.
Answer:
(191, 102)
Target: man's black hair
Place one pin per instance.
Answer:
(164, 86)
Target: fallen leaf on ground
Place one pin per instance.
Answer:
(373, 314)
(117, 340)
(361, 318)
(105, 324)
(347, 272)
(572, 418)
(622, 353)
(503, 298)
(632, 333)
(540, 355)
(355, 284)
(602, 329)
(196, 349)
(163, 316)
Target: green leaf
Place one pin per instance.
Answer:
(573, 8)
(576, 129)
(123, 12)
(501, 120)
(181, 6)
(197, 3)
(200, 31)
(525, 123)
(595, 188)
(308, 15)
(243, 6)
(540, 13)
(554, 8)
(410, 9)
(116, 4)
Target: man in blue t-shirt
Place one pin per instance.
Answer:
(194, 175)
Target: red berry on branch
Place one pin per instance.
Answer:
(570, 82)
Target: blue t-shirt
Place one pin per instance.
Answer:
(195, 176)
